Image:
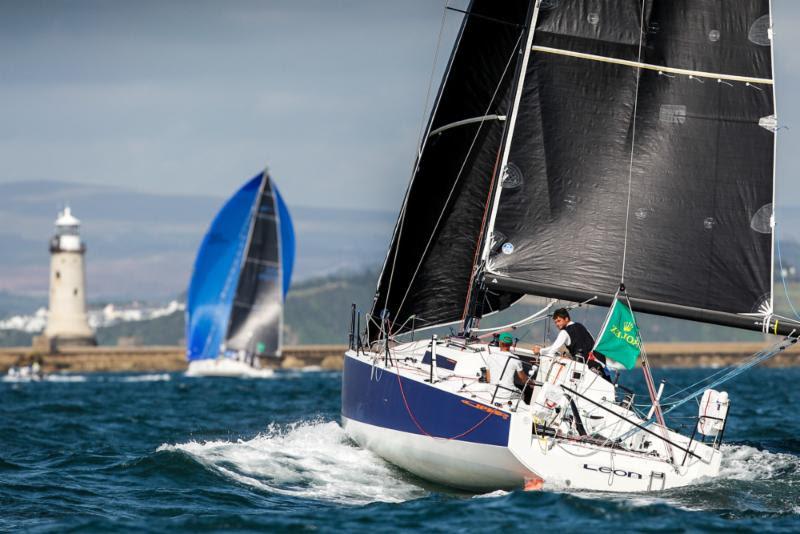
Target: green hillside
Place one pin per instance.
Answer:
(318, 311)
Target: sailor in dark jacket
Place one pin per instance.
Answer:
(577, 339)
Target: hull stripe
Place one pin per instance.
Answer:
(386, 399)
(422, 430)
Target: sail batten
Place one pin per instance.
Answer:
(467, 121)
(659, 68)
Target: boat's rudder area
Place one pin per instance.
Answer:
(580, 431)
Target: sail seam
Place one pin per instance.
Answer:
(648, 66)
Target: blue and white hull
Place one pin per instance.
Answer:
(459, 432)
(428, 431)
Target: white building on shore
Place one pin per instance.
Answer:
(67, 321)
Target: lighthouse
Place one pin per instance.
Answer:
(67, 323)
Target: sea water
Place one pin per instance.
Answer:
(161, 452)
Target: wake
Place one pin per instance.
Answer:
(310, 459)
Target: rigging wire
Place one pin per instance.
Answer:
(783, 277)
(458, 178)
(633, 144)
(758, 357)
(731, 373)
(763, 356)
(420, 147)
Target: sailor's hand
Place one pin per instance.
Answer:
(537, 349)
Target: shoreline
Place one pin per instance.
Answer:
(172, 358)
(152, 359)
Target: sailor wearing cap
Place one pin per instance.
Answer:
(502, 367)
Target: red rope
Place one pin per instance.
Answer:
(480, 234)
(419, 426)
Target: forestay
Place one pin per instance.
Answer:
(428, 270)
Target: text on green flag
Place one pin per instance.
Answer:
(620, 339)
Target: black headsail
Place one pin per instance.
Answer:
(429, 267)
(256, 318)
(643, 152)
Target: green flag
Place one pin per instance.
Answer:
(620, 339)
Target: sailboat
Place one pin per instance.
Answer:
(614, 153)
(243, 269)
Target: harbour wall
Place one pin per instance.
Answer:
(172, 358)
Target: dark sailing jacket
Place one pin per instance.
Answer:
(580, 340)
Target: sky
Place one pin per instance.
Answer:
(195, 97)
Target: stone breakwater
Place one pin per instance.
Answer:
(172, 358)
(151, 359)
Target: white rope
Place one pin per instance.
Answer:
(521, 322)
(455, 183)
(633, 145)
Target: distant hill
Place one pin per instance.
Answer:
(318, 311)
(142, 246)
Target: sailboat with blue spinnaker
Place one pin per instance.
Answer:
(243, 269)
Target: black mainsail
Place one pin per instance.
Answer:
(429, 266)
(648, 161)
(637, 147)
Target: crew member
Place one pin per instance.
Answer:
(577, 339)
(502, 368)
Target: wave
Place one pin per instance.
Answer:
(311, 459)
(744, 462)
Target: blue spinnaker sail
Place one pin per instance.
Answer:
(287, 241)
(216, 273)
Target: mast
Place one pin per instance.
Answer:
(487, 240)
(771, 35)
(475, 296)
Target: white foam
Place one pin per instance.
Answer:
(65, 378)
(46, 378)
(492, 494)
(161, 377)
(742, 462)
(311, 459)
